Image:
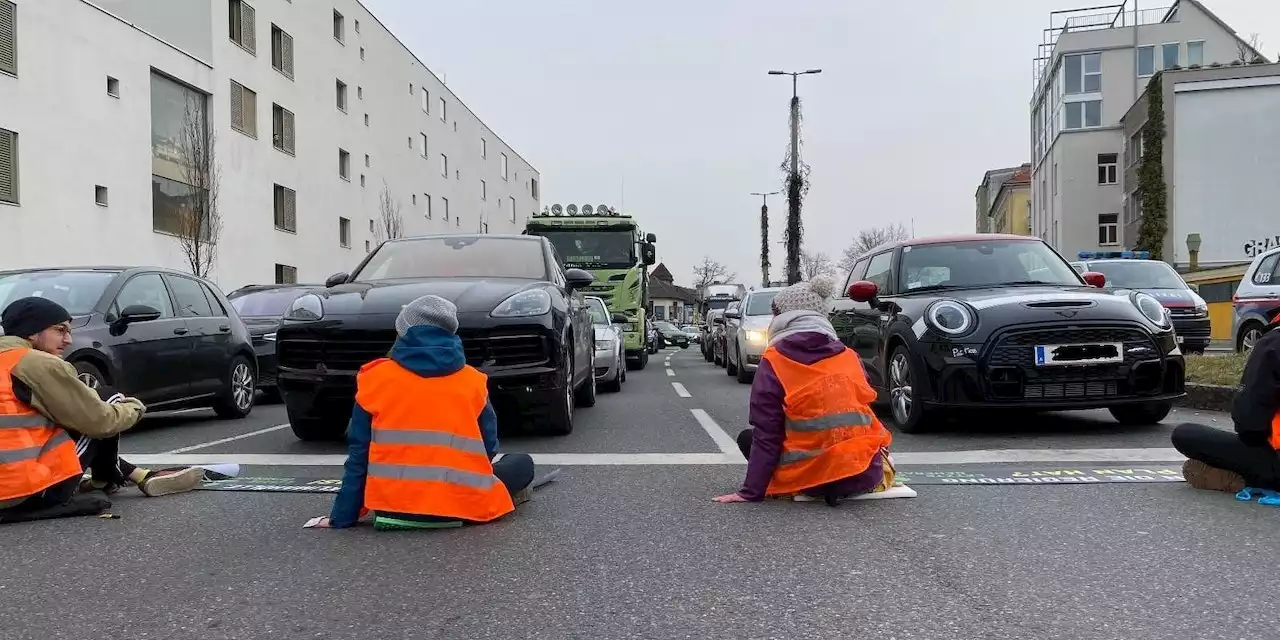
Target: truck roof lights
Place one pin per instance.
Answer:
(1114, 255)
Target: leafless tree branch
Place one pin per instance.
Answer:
(1250, 50)
(710, 272)
(868, 239)
(199, 220)
(392, 223)
(815, 263)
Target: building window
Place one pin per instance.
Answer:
(100, 195)
(344, 232)
(344, 164)
(366, 160)
(410, 88)
(414, 199)
(444, 165)
(282, 129)
(240, 19)
(1055, 178)
(426, 206)
(426, 100)
(180, 159)
(1170, 55)
(113, 87)
(1133, 208)
(1146, 60)
(366, 246)
(409, 141)
(362, 53)
(286, 274)
(1195, 53)
(357, 26)
(244, 110)
(1108, 229)
(457, 222)
(1107, 165)
(285, 206)
(1083, 73)
(362, 181)
(484, 190)
(511, 206)
(424, 144)
(8, 166)
(8, 37)
(1082, 115)
(445, 202)
(339, 27)
(360, 92)
(340, 92)
(534, 188)
(484, 227)
(443, 107)
(503, 163)
(484, 148)
(281, 51)
(366, 119)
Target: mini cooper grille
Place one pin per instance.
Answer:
(1018, 349)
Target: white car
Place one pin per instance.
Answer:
(611, 358)
(747, 333)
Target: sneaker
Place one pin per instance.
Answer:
(89, 485)
(522, 496)
(168, 481)
(1202, 476)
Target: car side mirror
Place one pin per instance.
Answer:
(649, 254)
(138, 313)
(619, 318)
(1095, 279)
(336, 279)
(733, 315)
(578, 278)
(651, 238)
(863, 291)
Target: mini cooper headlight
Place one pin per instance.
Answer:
(1151, 309)
(950, 317)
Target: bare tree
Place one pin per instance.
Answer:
(1250, 50)
(868, 239)
(392, 223)
(710, 272)
(199, 223)
(815, 263)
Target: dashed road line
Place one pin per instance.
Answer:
(671, 372)
(214, 443)
(680, 390)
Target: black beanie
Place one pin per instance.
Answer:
(26, 317)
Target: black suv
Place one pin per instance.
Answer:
(168, 338)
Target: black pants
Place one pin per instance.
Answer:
(515, 470)
(99, 457)
(1260, 465)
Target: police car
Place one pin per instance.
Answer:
(1135, 270)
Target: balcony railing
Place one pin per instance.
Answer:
(1116, 16)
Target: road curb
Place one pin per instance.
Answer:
(1208, 397)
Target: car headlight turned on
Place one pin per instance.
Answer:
(1151, 309)
(306, 308)
(534, 302)
(950, 317)
(604, 344)
(755, 336)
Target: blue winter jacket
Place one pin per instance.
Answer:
(429, 352)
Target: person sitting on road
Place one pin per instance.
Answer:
(53, 427)
(1222, 461)
(423, 435)
(814, 433)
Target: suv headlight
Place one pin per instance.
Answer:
(950, 317)
(308, 307)
(534, 302)
(1151, 309)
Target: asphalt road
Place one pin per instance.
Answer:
(627, 544)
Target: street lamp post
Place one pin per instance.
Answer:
(793, 180)
(764, 235)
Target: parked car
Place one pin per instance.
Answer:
(521, 315)
(1257, 300)
(611, 354)
(671, 335)
(1132, 270)
(168, 338)
(708, 331)
(692, 331)
(719, 329)
(261, 307)
(747, 338)
(997, 321)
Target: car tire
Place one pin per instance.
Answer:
(237, 400)
(909, 415)
(744, 376)
(730, 368)
(640, 362)
(706, 354)
(309, 429)
(90, 374)
(559, 420)
(1141, 415)
(615, 385)
(585, 394)
(1249, 335)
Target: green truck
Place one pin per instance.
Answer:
(608, 244)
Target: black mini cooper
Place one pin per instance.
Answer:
(996, 321)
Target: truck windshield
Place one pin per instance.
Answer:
(1139, 274)
(982, 264)
(594, 249)
(456, 257)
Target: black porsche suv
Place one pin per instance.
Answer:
(994, 321)
(522, 321)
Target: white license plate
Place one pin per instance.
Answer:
(1048, 355)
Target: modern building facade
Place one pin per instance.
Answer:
(1011, 211)
(985, 196)
(1091, 67)
(326, 133)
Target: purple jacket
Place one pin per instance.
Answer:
(768, 420)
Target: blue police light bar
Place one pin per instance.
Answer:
(1111, 255)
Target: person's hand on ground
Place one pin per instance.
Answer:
(732, 497)
(321, 522)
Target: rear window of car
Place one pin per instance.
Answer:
(457, 257)
(266, 303)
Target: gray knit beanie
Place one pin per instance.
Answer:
(431, 311)
(805, 296)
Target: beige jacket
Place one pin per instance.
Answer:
(60, 396)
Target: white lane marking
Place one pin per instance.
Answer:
(680, 390)
(214, 443)
(671, 372)
(991, 456)
(722, 439)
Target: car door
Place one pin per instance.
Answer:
(842, 306)
(152, 357)
(209, 357)
(868, 321)
(583, 332)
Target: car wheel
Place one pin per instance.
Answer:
(1141, 415)
(312, 429)
(90, 375)
(585, 395)
(622, 375)
(706, 354)
(729, 367)
(241, 392)
(615, 385)
(1249, 336)
(744, 376)
(560, 416)
(908, 414)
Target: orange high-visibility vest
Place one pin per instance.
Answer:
(1275, 432)
(35, 453)
(427, 456)
(831, 432)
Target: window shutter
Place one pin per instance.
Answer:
(248, 36)
(286, 53)
(288, 131)
(237, 106)
(250, 111)
(291, 210)
(8, 37)
(8, 166)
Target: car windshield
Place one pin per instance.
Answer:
(76, 291)
(719, 303)
(599, 315)
(1139, 274)
(689, 329)
(991, 263)
(456, 257)
(665, 326)
(761, 304)
(594, 249)
(265, 303)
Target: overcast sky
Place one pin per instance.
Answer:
(916, 100)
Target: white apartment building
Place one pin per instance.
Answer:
(1092, 66)
(317, 114)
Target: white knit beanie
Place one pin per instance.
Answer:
(432, 311)
(805, 296)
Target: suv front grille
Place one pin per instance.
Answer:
(349, 350)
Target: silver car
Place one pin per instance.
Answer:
(747, 333)
(610, 360)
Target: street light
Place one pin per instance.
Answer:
(793, 209)
(794, 75)
(764, 234)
